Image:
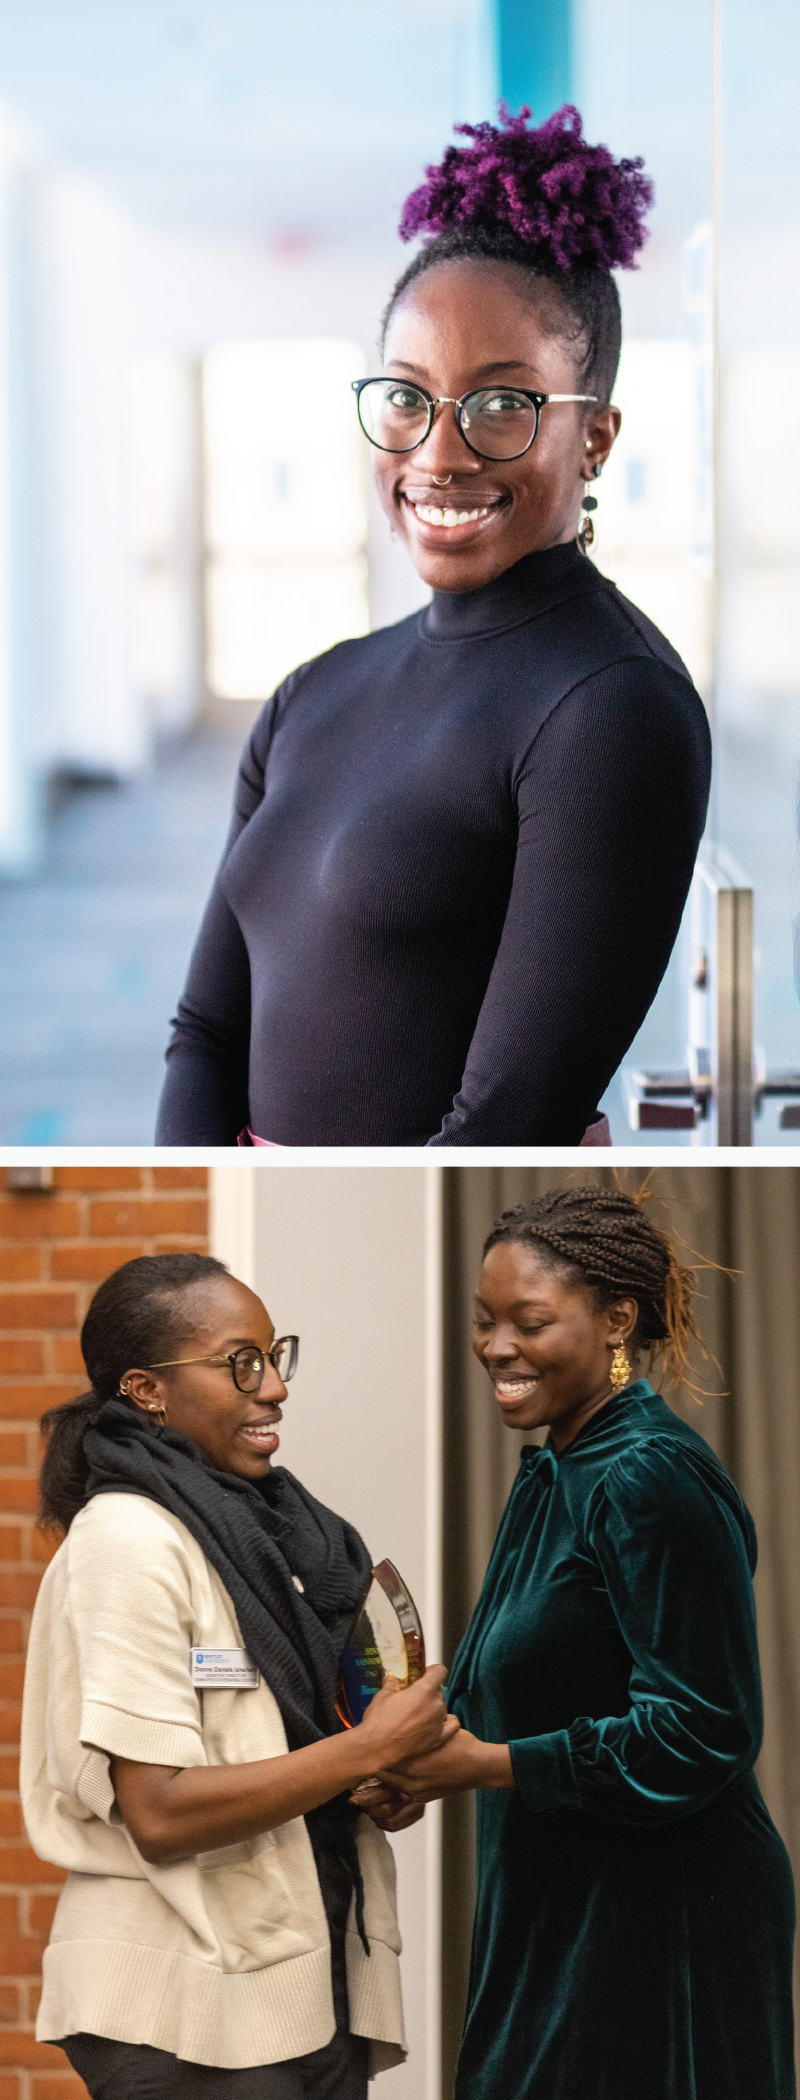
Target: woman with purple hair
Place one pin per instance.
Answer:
(462, 845)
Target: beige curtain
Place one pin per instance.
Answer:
(743, 1218)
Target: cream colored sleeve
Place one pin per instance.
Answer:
(130, 1603)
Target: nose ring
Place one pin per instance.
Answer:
(441, 480)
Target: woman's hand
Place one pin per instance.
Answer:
(461, 1764)
(405, 1720)
(415, 1714)
(386, 1805)
(173, 1813)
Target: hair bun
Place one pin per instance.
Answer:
(573, 203)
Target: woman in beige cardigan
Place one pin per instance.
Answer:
(228, 1925)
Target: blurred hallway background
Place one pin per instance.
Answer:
(197, 213)
(95, 942)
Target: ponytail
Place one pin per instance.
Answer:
(64, 1470)
(139, 1315)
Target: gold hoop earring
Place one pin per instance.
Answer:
(160, 1412)
(620, 1372)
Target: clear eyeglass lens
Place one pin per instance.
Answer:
(500, 423)
(284, 1356)
(248, 1369)
(393, 415)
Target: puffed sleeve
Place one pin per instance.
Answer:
(675, 1549)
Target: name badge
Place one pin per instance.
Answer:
(229, 1669)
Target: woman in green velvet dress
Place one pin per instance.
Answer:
(635, 1908)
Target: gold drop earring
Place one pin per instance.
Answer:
(620, 1372)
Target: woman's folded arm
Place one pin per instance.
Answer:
(612, 801)
(172, 1813)
(676, 1557)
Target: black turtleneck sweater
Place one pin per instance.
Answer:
(460, 852)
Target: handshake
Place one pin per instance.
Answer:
(419, 1752)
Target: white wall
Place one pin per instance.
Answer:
(165, 474)
(90, 298)
(349, 1258)
(91, 262)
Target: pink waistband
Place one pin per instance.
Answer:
(598, 1133)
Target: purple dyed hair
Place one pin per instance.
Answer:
(560, 211)
(573, 206)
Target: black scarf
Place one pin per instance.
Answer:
(258, 1535)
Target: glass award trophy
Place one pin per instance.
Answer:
(386, 1636)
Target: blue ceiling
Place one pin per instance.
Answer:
(268, 119)
(251, 116)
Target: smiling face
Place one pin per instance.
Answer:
(464, 520)
(546, 1347)
(237, 1431)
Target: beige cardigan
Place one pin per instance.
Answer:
(222, 1958)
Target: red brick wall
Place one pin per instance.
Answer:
(54, 1250)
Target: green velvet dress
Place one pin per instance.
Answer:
(635, 1908)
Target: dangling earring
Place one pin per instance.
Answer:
(620, 1372)
(586, 532)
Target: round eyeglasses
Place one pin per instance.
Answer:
(496, 422)
(248, 1364)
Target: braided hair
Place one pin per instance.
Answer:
(565, 212)
(603, 1239)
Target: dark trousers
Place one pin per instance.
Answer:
(133, 2071)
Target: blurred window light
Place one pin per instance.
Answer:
(285, 509)
(761, 450)
(263, 620)
(759, 646)
(636, 480)
(698, 308)
(646, 520)
(650, 470)
(760, 463)
(163, 407)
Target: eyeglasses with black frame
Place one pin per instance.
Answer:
(248, 1364)
(496, 422)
